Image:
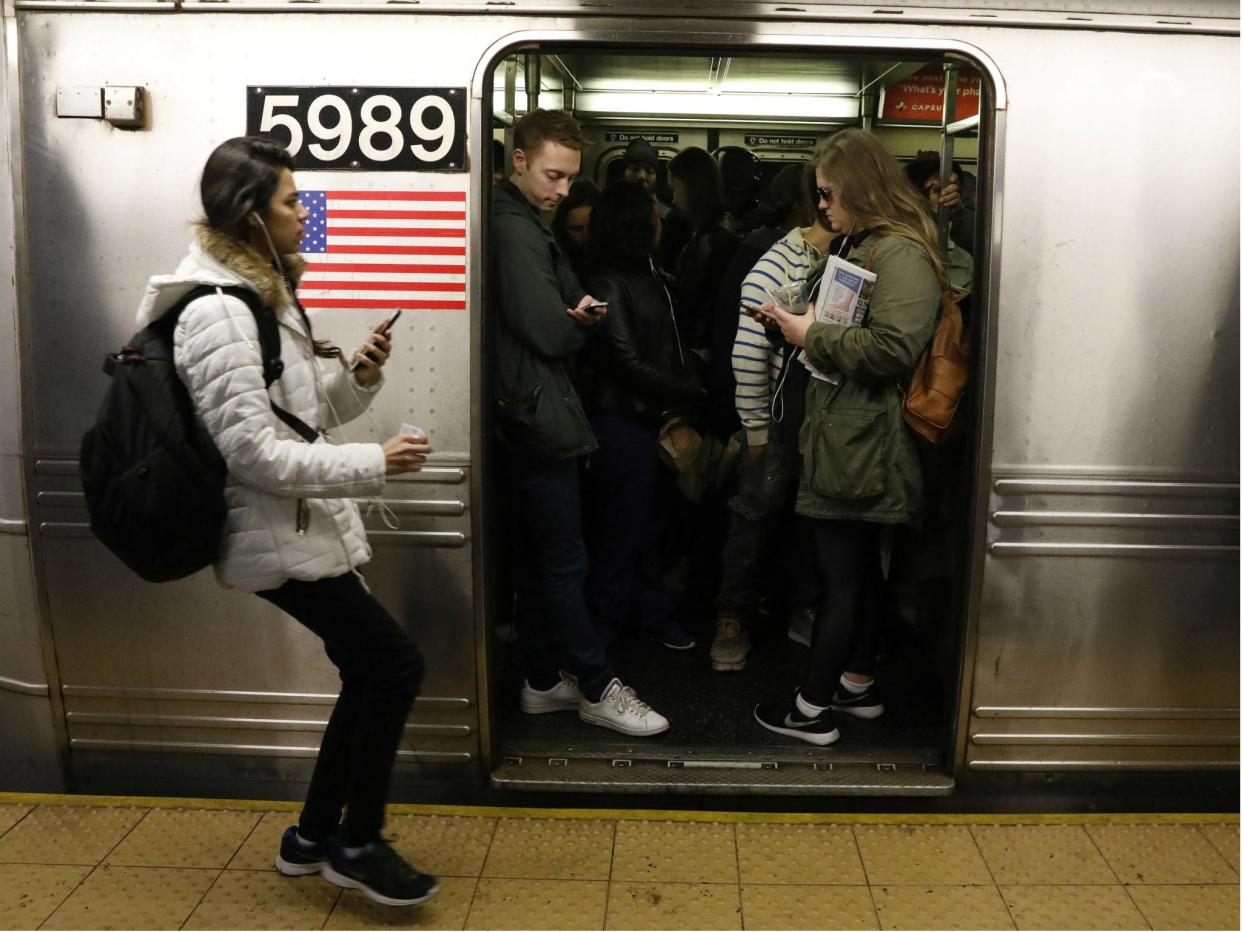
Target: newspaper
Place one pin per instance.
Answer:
(844, 293)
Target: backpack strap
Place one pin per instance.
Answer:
(269, 345)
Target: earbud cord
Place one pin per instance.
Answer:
(387, 515)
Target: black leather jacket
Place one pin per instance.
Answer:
(635, 361)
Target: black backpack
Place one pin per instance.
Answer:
(153, 479)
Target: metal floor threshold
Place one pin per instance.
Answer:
(591, 775)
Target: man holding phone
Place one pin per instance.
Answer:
(541, 316)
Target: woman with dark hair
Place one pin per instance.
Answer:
(860, 475)
(294, 535)
(697, 192)
(637, 375)
(572, 220)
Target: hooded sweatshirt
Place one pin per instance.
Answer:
(291, 513)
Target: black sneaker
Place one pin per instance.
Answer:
(296, 859)
(675, 637)
(380, 873)
(864, 705)
(784, 718)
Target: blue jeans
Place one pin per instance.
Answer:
(555, 631)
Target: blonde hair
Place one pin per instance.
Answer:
(875, 190)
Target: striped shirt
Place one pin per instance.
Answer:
(756, 361)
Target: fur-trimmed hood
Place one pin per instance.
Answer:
(216, 259)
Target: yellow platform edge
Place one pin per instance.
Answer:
(651, 815)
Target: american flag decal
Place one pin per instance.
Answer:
(384, 250)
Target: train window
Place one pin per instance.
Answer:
(756, 115)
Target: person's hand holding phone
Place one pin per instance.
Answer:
(373, 353)
(589, 311)
(793, 326)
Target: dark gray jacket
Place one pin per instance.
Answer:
(535, 341)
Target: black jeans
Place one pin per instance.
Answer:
(381, 672)
(555, 631)
(624, 524)
(848, 553)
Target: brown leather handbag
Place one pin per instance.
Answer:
(941, 374)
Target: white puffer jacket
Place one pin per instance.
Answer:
(271, 469)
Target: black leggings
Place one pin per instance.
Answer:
(381, 672)
(848, 556)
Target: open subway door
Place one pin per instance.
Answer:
(767, 110)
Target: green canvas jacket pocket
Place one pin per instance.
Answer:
(844, 453)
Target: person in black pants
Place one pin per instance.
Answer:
(860, 478)
(540, 318)
(294, 534)
(636, 377)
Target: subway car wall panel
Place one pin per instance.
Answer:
(1062, 631)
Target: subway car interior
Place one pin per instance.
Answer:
(757, 112)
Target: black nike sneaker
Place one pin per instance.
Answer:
(784, 718)
(866, 704)
(380, 873)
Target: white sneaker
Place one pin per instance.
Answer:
(562, 697)
(619, 709)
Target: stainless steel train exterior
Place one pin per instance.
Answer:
(1101, 630)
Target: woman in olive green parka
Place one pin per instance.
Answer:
(860, 469)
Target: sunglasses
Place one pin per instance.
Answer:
(825, 194)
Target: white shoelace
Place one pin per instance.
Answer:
(628, 701)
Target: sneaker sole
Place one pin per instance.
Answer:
(724, 666)
(691, 646)
(541, 708)
(289, 869)
(867, 712)
(632, 732)
(821, 740)
(337, 878)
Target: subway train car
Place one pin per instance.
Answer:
(1070, 634)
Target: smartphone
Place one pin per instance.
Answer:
(385, 329)
(755, 313)
(597, 308)
(388, 324)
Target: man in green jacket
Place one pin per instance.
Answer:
(541, 318)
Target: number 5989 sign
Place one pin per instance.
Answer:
(363, 128)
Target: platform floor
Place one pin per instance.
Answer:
(102, 862)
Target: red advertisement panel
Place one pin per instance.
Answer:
(920, 97)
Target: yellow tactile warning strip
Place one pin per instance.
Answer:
(184, 838)
(552, 849)
(674, 906)
(1071, 907)
(11, 814)
(148, 898)
(132, 863)
(808, 907)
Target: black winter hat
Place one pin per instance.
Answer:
(640, 150)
